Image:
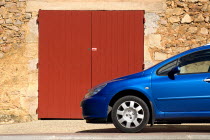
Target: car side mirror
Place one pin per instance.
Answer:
(173, 72)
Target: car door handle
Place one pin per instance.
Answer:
(206, 80)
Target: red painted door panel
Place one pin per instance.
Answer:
(64, 62)
(68, 67)
(119, 39)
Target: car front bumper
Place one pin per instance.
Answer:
(95, 109)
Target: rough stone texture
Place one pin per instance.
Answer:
(192, 0)
(1, 55)
(151, 23)
(192, 29)
(174, 19)
(204, 31)
(28, 15)
(186, 19)
(199, 18)
(160, 56)
(175, 11)
(154, 40)
(2, 2)
(180, 35)
(18, 93)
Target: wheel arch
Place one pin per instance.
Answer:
(131, 92)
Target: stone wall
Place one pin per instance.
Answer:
(185, 24)
(18, 92)
(172, 26)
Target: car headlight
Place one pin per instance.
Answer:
(95, 90)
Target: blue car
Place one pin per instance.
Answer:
(176, 90)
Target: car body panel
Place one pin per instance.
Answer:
(94, 107)
(187, 93)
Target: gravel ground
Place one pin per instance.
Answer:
(80, 126)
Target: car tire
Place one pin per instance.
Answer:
(130, 114)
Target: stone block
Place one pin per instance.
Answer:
(199, 18)
(203, 0)
(9, 5)
(32, 64)
(33, 77)
(169, 11)
(151, 23)
(199, 39)
(204, 31)
(9, 21)
(32, 90)
(186, 19)
(151, 20)
(205, 7)
(174, 19)
(2, 2)
(175, 11)
(21, 4)
(13, 76)
(2, 21)
(18, 22)
(1, 30)
(155, 40)
(31, 50)
(194, 7)
(163, 22)
(13, 9)
(181, 4)
(15, 28)
(6, 48)
(192, 1)
(32, 34)
(149, 6)
(148, 64)
(207, 19)
(159, 56)
(1, 55)
(29, 104)
(192, 30)
(28, 15)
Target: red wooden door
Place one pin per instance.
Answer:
(64, 62)
(68, 67)
(119, 39)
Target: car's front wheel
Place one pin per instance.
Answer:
(130, 114)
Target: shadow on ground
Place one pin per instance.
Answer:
(159, 129)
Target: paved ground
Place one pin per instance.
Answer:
(106, 137)
(78, 129)
(53, 126)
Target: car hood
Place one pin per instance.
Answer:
(127, 77)
(135, 75)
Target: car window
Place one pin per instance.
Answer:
(166, 68)
(198, 62)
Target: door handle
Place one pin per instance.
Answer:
(206, 80)
(94, 49)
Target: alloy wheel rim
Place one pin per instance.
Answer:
(130, 114)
